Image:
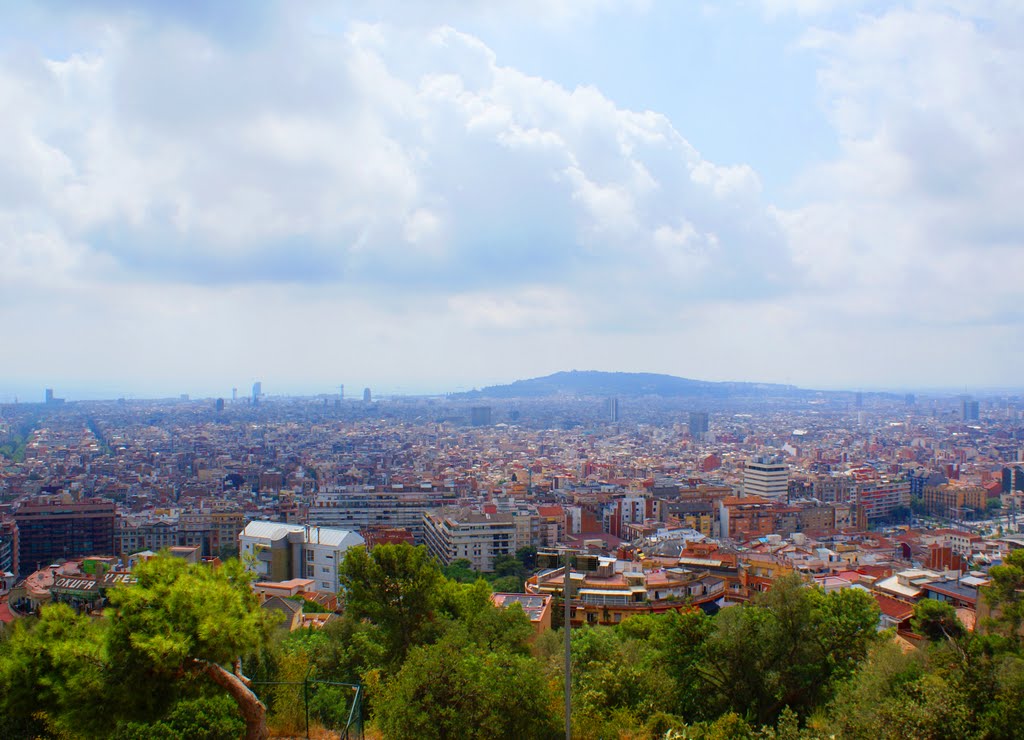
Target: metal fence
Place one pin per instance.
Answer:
(333, 705)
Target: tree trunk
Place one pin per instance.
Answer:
(254, 712)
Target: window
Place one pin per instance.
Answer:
(309, 556)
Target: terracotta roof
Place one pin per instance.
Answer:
(894, 608)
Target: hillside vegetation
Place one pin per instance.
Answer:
(437, 660)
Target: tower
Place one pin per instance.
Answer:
(367, 396)
(699, 424)
(611, 409)
(257, 391)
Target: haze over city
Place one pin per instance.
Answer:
(433, 197)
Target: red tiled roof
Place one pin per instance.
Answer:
(893, 608)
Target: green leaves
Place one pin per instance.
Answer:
(90, 677)
(396, 588)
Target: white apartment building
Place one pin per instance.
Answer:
(280, 552)
(766, 477)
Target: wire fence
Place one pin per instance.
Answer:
(334, 706)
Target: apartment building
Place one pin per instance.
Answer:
(456, 533)
(280, 552)
(60, 527)
(358, 508)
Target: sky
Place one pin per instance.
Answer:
(428, 197)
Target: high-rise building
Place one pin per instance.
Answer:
(58, 528)
(699, 424)
(234, 395)
(767, 477)
(969, 410)
(257, 391)
(858, 400)
(341, 392)
(611, 409)
(480, 416)
(367, 396)
(49, 395)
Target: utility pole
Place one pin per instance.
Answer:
(587, 564)
(566, 597)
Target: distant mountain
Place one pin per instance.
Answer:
(596, 383)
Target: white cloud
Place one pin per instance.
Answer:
(920, 214)
(369, 192)
(378, 154)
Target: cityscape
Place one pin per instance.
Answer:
(699, 500)
(597, 369)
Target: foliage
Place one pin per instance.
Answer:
(1005, 595)
(440, 660)
(205, 718)
(937, 620)
(456, 689)
(787, 648)
(395, 588)
(179, 622)
(50, 667)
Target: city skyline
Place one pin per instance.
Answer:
(431, 199)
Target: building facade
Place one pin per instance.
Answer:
(766, 477)
(52, 528)
(281, 552)
(455, 534)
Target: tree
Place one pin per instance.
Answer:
(182, 621)
(457, 689)
(1005, 595)
(471, 612)
(179, 623)
(47, 668)
(528, 557)
(395, 588)
(787, 648)
(460, 570)
(936, 620)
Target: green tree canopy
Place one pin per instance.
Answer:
(456, 689)
(179, 623)
(396, 588)
(936, 620)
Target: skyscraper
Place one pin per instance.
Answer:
(969, 410)
(257, 391)
(49, 395)
(341, 392)
(480, 416)
(367, 396)
(611, 409)
(699, 424)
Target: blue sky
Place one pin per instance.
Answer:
(427, 197)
